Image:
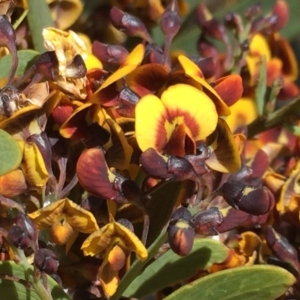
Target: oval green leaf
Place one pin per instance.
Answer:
(26, 57)
(171, 268)
(10, 153)
(247, 282)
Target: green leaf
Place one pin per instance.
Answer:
(38, 17)
(12, 289)
(247, 282)
(171, 268)
(260, 90)
(10, 153)
(160, 208)
(25, 58)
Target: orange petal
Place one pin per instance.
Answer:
(192, 107)
(284, 52)
(151, 126)
(230, 88)
(13, 184)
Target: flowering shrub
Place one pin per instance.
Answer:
(128, 169)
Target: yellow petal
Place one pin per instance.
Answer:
(191, 71)
(249, 243)
(79, 218)
(194, 106)
(225, 156)
(46, 217)
(65, 12)
(131, 62)
(34, 167)
(189, 66)
(152, 128)
(259, 47)
(108, 278)
(243, 112)
(100, 240)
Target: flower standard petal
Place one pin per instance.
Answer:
(151, 123)
(193, 107)
(221, 106)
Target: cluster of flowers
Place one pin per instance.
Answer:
(105, 133)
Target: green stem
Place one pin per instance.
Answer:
(36, 284)
(138, 265)
(38, 17)
(274, 119)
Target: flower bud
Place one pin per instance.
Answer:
(205, 221)
(18, 237)
(255, 201)
(109, 54)
(180, 232)
(281, 11)
(46, 261)
(131, 25)
(281, 247)
(170, 20)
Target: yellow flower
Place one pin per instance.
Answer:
(66, 219)
(114, 242)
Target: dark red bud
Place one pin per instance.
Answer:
(209, 66)
(131, 25)
(46, 261)
(127, 102)
(253, 12)
(205, 222)
(170, 20)
(281, 11)
(127, 224)
(111, 54)
(206, 49)
(281, 247)
(180, 232)
(18, 237)
(153, 54)
(233, 21)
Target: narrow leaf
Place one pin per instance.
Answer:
(251, 283)
(38, 17)
(260, 90)
(171, 268)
